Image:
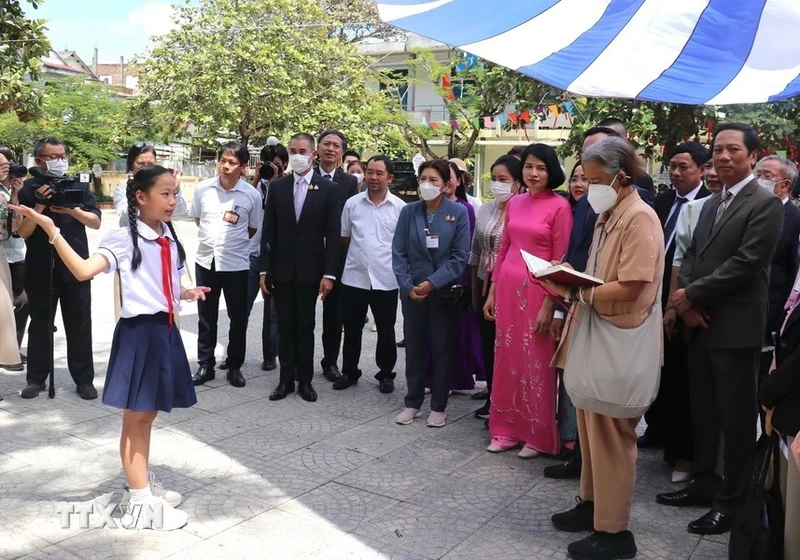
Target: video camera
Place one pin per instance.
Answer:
(17, 170)
(65, 191)
(269, 152)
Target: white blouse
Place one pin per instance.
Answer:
(142, 291)
(685, 226)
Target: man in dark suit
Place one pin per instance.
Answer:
(332, 145)
(778, 174)
(667, 424)
(722, 297)
(297, 264)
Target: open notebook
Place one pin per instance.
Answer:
(559, 274)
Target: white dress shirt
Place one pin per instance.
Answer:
(735, 189)
(675, 208)
(221, 242)
(142, 289)
(302, 192)
(370, 228)
(13, 246)
(685, 227)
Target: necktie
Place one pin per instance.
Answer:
(328, 176)
(298, 200)
(726, 197)
(166, 275)
(669, 228)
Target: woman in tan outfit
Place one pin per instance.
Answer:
(628, 247)
(9, 222)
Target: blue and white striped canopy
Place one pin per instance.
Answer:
(680, 51)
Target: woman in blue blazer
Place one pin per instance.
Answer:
(429, 253)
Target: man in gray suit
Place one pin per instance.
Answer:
(722, 296)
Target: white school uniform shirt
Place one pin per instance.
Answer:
(142, 289)
(370, 228)
(225, 244)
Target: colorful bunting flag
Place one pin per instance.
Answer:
(476, 123)
(501, 118)
(553, 109)
(569, 107)
(538, 110)
(448, 89)
(513, 118)
(525, 116)
(487, 121)
(434, 125)
(454, 124)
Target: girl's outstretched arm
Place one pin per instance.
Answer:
(82, 269)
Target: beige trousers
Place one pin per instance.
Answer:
(790, 486)
(9, 351)
(608, 474)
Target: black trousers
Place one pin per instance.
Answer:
(332, 319)
(674, 394)
(425, 323)
(723, 395)
(296, 306)
(76, 311)
(488, 331)
(384, 310)
(21, 310)
(234, 286)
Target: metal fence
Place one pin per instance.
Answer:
(190, 169)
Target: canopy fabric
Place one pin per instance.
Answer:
(680, 51)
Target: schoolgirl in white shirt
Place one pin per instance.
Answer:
(148, 370)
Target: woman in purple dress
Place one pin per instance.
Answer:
(467, 360)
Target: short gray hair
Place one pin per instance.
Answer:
(614, 154)
(788, 168)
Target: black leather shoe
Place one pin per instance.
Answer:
(203, 374)
(306, 392)
(684, 498)
(479, 396)
(580, 518)
(401, 344)
(712, 523)
(604, 546)
(569, 469)
(331, 373)
(483, 412)
(270, 364)
(14, 367)
(32, 390)
(87, 392)
(235, 377)
(281, 391)
(344, 382)
(386, 386)
(224, 365)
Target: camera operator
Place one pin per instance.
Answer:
(75, 296)
(14, 248)
(9, 222)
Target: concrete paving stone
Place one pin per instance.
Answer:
(51, 553)
(221, 400)
(275, 535)
(425, 530)
(213, 427)
(439, 458)
(321, 461)
(468, 432)
(16, 543)
(351, 547)
(504, 469)
(337, 505)
(708, 550)
(390, 479)
(532, 513)
(380, 436)
(101, 544)
(512, 543)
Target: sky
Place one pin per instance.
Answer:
(115, 28)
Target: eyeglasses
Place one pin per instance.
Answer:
(54, 157)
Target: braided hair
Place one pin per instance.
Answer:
(143, 180)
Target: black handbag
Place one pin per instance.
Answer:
(454, 298)
(758, 525)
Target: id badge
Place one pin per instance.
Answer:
(231, 217)
(432, 241)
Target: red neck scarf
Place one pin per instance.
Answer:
(166, 275)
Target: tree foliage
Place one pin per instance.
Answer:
(477, 88)
(251, 68)
(22, 43)
(357, 21)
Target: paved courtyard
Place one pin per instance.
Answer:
(336, 479)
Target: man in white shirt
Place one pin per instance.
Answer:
(228, 212)
(368, 223)
(15, 253)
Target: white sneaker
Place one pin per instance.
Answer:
(174, 499)
(407, 416)
(436, 419)
(155, 514)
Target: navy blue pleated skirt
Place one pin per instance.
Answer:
(148, 369)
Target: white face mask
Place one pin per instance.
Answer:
(602, 198)
(359, 177)
(58, 167)
(768, 185)
(299, 162)
(428, 191)
(502, 191)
